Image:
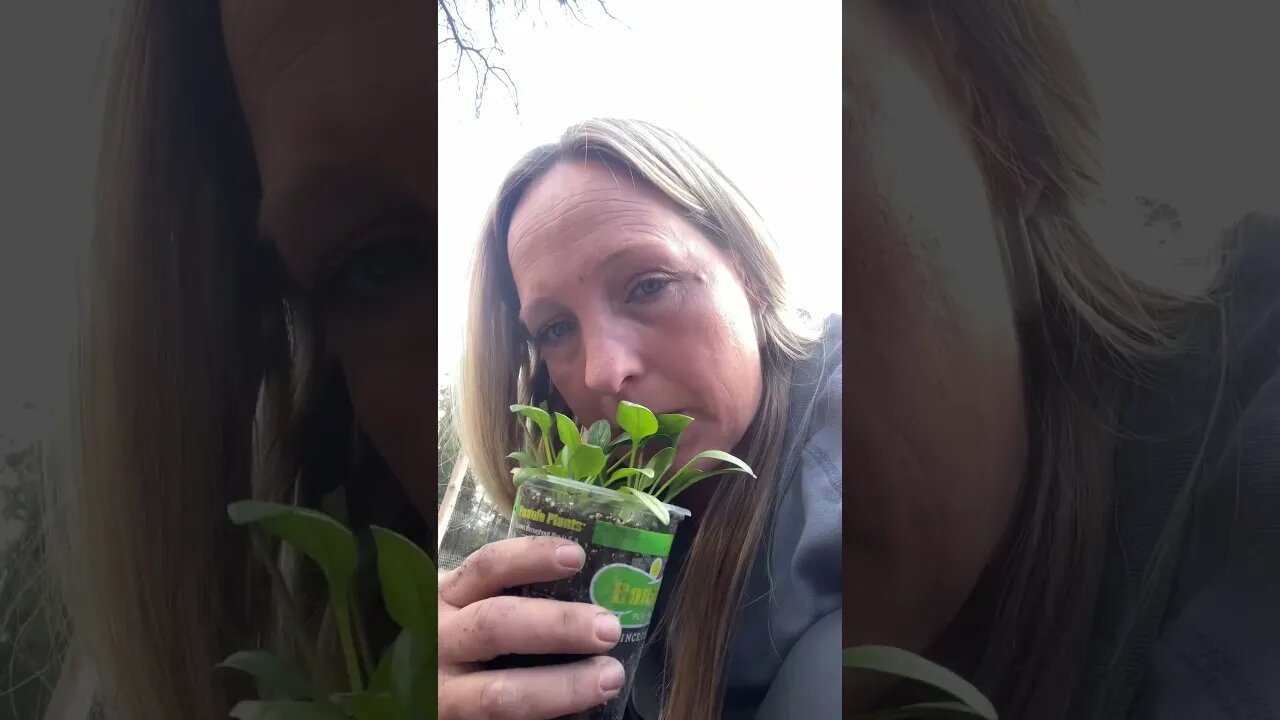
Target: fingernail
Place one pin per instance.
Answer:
(611, 678)
(608, 628)
(571, 556)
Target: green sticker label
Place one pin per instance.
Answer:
(640, 542)
(626, 591)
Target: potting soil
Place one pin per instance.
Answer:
(622, 573)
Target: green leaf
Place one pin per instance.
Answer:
(916, 711)
(586, 461)
(525, 459)
(286, 710)
(408, 580)
(272, 671)
(380, 681)
(637, 420)
(570, 436)
(621, 473)
(903, 664)
(686, 479)
(369, 706)
(722, 456)
(563, 458)
(599, 433)
(661, 462)
(688, 475)
(318, 536)
(526, 473)
(619, 441)
(327, 543)
(654, 504)
(539, 416)
(672, 425)
(412, 671)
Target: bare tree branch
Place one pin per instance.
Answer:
(460, 35)
(482, 59)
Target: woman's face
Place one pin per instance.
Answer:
(934, 447)
(338, 99)
(627, 300)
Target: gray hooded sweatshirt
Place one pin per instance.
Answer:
(784, 656)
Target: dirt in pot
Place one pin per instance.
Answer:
(622, 573)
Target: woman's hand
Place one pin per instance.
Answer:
(476, 625)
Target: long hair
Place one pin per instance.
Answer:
(1096, 334)
(201, 381)
(500, 367)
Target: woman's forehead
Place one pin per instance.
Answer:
(575, 198)
(332, 89)
(270, 41)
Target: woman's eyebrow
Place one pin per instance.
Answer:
(649, 249)
(311, 217)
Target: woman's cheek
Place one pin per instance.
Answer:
(386, 361)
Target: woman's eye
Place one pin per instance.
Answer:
(555, 332)
(376, 273)
(649, 287)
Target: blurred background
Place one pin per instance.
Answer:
(1185, 90)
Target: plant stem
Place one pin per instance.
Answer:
(291, 615)
(615, 465)
(362, 644)
(343, 613)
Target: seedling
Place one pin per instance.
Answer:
(399, 687)
(612, 495)
(591, 455)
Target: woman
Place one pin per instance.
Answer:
(620, 264)
(1014, 419)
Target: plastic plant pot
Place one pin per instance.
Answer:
(626, 546)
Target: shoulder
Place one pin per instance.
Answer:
(1206, 641)
(1218, 650)
(808, 519)
(813, 433)
(783, 653)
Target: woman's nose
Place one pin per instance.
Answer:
(610, 361)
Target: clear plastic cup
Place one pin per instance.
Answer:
(626, 547)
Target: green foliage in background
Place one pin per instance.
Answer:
(32, 637)
(401, 685)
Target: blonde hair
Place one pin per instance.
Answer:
(1096, 334)
(201, 382)
(500, 368)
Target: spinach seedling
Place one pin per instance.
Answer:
(592, 455)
